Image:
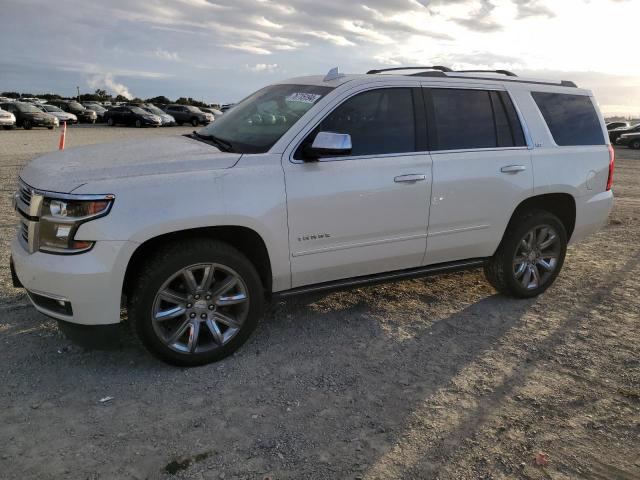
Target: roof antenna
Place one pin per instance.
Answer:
(333, 74)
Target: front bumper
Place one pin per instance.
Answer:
(7, 121)
(91, 282)
(42, 122)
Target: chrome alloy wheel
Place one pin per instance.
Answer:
(536, 256)
(200, 308)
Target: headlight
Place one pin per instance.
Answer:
(61, 219)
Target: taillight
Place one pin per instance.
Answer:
(612, 165)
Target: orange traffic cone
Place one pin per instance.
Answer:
(62, 136)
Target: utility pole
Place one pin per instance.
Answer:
(78, 89)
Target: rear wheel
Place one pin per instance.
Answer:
(26, 124)
(530, 255)
(110, 122)
(195, 122)
(635, 144)
(196, 302)
(138, 123)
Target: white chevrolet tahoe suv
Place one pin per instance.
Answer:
(311, 184)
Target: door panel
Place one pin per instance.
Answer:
(472, 201)
(350, 217)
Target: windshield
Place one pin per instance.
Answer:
(154, 109)
(52, 108)
(27, 108)
(255, 124)
(96, 108)
(138, 110)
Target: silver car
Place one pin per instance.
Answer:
(7, 119)
(60, 114)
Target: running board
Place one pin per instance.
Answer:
(385, 277)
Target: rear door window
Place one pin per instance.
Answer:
(572, 119)
(463, 119)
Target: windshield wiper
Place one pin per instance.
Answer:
(218, 142)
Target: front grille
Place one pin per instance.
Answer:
(25, 193)
(24, 232)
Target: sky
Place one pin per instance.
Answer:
(222, 50)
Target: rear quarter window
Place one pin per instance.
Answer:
(572, 119)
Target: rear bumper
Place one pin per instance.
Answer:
(82, 289)
(592, 214)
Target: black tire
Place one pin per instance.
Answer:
(165, 264)
(26, 124)
(139, 123)
(110, 122)
(8, 127)
(635, 144)
(195, 122)
(179, 123)
(499, 270)
(50, 128)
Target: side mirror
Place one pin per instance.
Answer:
(329, 144)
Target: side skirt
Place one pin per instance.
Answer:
(385, 277)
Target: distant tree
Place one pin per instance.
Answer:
(101, 93)
(183, 101)
(136, 100)
(49, 96)
(121, 98)
(10, 94)
(28, 95)
(159, 100)
(190, 101)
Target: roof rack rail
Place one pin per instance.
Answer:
(501, 72)
(436, 67)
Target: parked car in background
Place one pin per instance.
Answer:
(99, 109)
(7, 119)
(614, 125)
(167, 120)
(29, 116)
(617, 132)
(631, 140)
(131, 115)
(213, 111)
(71, 106)
(226, 107)
(60, 114)
(189, 114)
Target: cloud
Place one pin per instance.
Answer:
(263, 67)
(533, 8)
(107, 81)
(166, 55)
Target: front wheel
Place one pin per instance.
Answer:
(530, 256)
(196, 302)
(27, 125)
(635, 144)
(110, 122)
(138, 123)
(195, 122)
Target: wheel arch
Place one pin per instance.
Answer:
(246, 240)
(562, 205)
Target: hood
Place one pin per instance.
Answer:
(65, 170)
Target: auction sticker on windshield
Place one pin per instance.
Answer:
(303, 97)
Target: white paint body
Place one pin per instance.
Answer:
(363, 222)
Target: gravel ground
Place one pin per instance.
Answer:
(433, 378)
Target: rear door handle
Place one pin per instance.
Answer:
(513, 169)
(414, 177)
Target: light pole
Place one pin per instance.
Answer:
(78, 89)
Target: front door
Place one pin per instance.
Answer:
(366, 212)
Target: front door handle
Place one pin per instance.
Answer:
(513, 169)
(414, 177)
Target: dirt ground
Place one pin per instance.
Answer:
(433, 378)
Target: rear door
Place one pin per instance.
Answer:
(366, 212)
(481, 170)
